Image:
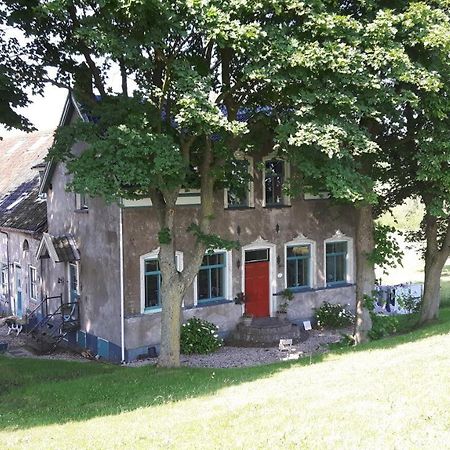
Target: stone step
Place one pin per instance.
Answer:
(265, 332)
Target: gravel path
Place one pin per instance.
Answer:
(225, 357)
(252, 356)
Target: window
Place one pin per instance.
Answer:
(211, 278)
(4, 278)
(336, 262)
(275, 175)
(240, 195)
(33, 283)
(151, 280)
(80, 201)
(298, 266)
(74, 285)
(152, 284)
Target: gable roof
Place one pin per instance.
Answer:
(20, 157)
(58, 248)
(71, 107)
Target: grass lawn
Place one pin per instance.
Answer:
(393, 393)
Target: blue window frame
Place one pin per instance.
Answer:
(298, 266)
(336, 262)
(152, 284)
(211, 278)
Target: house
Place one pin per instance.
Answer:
(105, 256)
(23, 220)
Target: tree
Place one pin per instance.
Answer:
(200, 80)
(386, 77)
(418, 144)
(14, 76)
(196, 66)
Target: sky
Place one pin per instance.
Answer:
(44, 112)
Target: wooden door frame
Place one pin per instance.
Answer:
(262, 244)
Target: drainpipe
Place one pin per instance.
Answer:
(7, 265)
(122, 296)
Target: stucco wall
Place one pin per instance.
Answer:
(24, 259)
(96, 232)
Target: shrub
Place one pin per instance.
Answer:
(199, 336)
(382, 326)
(333, 316)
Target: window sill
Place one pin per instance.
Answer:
(239, 208)
(153, 310)
(209, 303)
(337, 285)
(310, 289)
(277, 206)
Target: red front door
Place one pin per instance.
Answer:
(257, 288)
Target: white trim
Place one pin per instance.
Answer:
(319, 196)
(69, 281)
(47, 243)
(154, 254)
(122, 292)
(15, 289)
(340, 237)
(303, 240)
(286, 176)
(186, 197)
(262, 244)
(251, 184)
(30, 267)
(228, 285)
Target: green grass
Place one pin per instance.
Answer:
(391, 393)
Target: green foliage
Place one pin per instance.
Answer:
(383, 326)
(410, 303)
(164, 236)
(212, 241)
(199, 336)
(331, 315)
(387, 252)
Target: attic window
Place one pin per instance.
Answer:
(25, 246)
(80, 202)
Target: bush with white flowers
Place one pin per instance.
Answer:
(199, 336)
(331, 315)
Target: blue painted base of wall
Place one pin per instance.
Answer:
(97, 346)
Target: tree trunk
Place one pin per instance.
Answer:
(172, 293)
(431, 294)
(365, 273)
(435, 259)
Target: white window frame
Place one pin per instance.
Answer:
(77, 265)
(340, 237)
(251, 184)
(30, 282)
(81, 202)
(228, 284)
(303, 240)
(287, 175)
(154, 254)
(4, 278)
